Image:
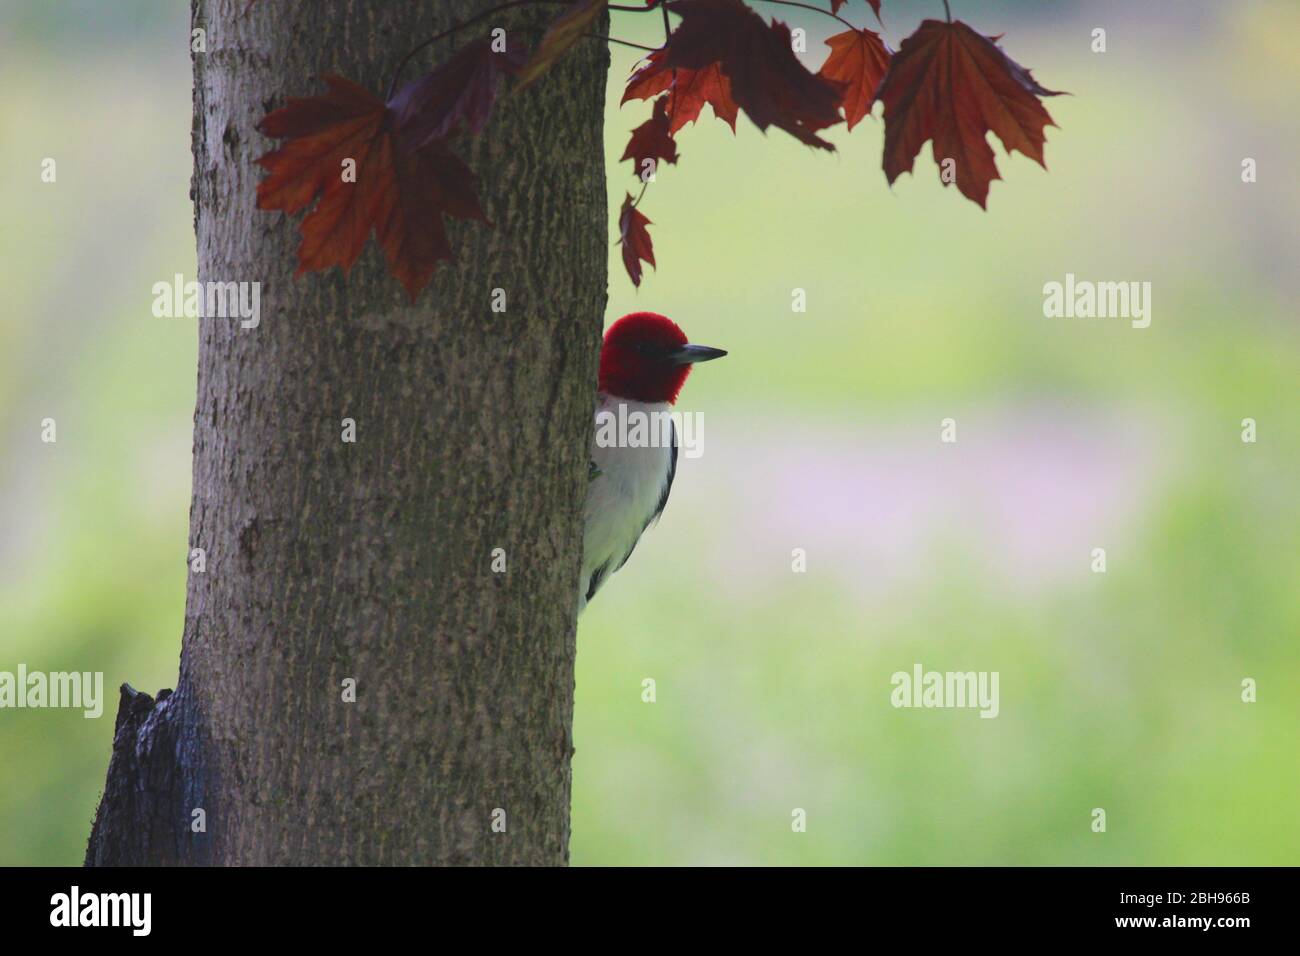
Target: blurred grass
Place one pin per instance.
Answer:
(1119, 691)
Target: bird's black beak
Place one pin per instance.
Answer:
(689, 354)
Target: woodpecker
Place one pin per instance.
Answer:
(643, 364)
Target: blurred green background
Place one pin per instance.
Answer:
(1119, 690)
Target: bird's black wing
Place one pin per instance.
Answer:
(668, 485)
(597, 578)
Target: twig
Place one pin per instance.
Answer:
(501, 8)
(809, 6)
(635, 46)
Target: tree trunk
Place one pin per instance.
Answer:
(373, 561)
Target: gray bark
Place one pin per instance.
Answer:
(372, 561)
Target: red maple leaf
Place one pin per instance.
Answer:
(688, 91)
(458, 93)
(951, 85)
(563, 33)
(652, 140)
(635, 240)
(858, 62)
(766, 79)
(400, 191)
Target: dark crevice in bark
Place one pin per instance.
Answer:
(143, 815)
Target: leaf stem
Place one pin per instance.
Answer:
(947, 12)
(641, 195)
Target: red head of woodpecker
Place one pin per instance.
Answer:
(643, 365)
